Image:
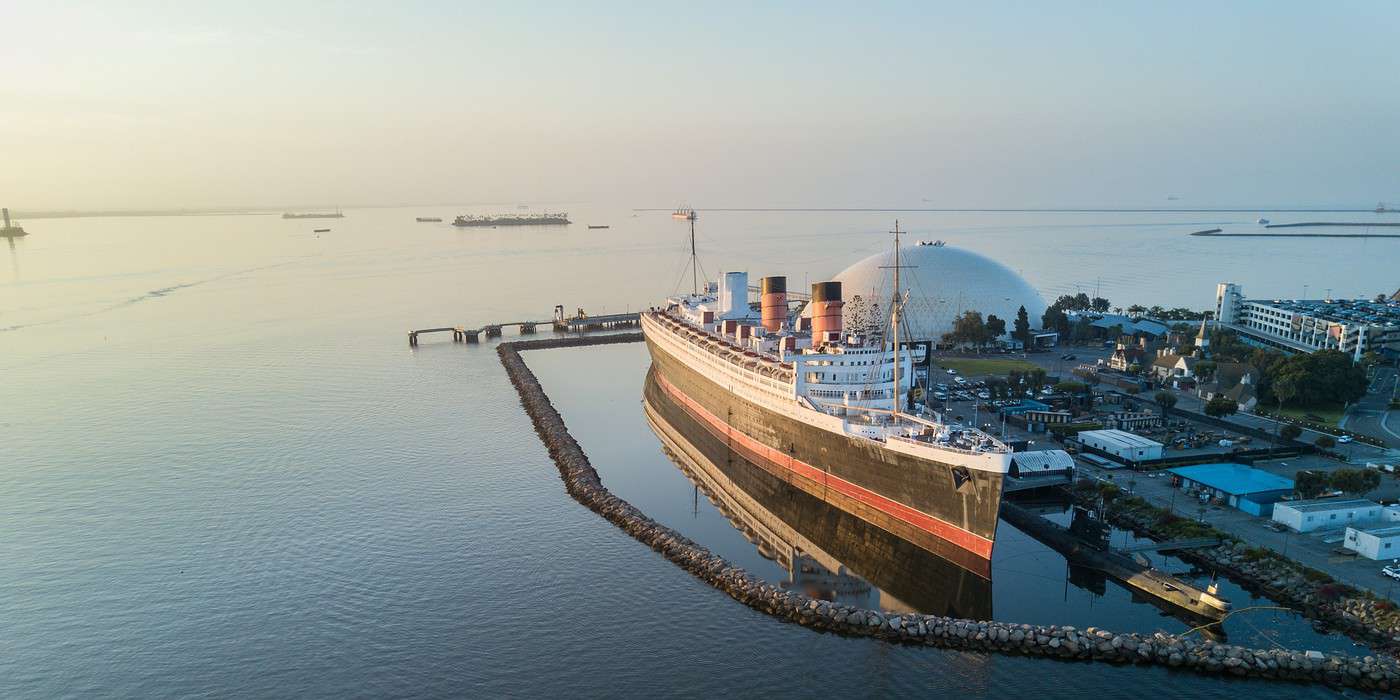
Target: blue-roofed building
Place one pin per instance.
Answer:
(1128, 325)
(1251, 490)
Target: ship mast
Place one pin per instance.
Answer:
(894, 319)
(694, 280)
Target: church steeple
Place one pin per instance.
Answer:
(1203, 338)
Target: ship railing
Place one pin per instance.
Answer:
(941, 446)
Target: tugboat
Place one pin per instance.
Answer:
(11, 231)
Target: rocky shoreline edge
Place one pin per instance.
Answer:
(1055, 641)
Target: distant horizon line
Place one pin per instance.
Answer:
(264, 210)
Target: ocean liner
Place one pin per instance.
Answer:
(828, 411)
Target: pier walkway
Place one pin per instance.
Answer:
(577, 323)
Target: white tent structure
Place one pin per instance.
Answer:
(942, 282)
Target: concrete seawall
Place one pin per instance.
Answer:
(582, 482)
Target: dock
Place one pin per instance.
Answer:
(578, 323)
(1158, 587)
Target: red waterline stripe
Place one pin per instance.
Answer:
(944, 530)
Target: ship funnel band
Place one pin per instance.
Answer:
(773, 303)
(826, 291)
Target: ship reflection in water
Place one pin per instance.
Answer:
(827, 553)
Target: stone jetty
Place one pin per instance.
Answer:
(1053, 641)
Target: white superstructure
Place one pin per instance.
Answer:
(840, 383)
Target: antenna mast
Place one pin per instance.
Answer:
(694, 281)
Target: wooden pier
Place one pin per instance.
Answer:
(578, 323)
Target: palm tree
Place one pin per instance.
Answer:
(1284, 388)
(1166, 400)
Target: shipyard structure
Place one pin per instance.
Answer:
(828, 412)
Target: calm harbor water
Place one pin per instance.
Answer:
(225, 473)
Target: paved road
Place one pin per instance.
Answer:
(1355, 452)
(1372, 415)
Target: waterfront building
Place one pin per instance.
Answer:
(1133, 420)
(1375, 543)
(1326, 513)
(1122, 444)
(1353, 326)
(1251, 490)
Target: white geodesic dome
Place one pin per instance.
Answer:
(942, 282)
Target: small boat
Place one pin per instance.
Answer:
(321, 230)
(428, 219)
(684, 213)
(1382, 209)
(1263, 222)
(593, 226)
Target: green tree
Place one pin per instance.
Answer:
(1311, 484)
(1136, 310)
(969, 329)
(1356, 481)
(1205, 369)
(1221, 406)
(1099, 304)
(1165, 399)
(1290, 432)
(1023, 327)
(1325, 442)
(996, 327)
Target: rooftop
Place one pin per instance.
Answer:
(1325, 504)
(1381, 531)
(1123, 438)
(1234, 479)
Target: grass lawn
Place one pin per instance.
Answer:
(978, 367)
(1331, 415)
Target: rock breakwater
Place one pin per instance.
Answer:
(582, 482)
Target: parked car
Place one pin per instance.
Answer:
(952, 371)
(983, 395)
(1392, 571)
(1344, 439)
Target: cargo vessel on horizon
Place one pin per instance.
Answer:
(560, 219)
(314, 215)
(11, 230)
(828, 411)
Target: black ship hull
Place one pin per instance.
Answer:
(826, 550)
(949, 510)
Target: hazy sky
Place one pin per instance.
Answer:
(127, 104)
